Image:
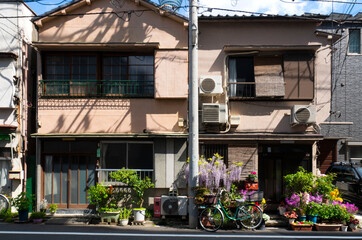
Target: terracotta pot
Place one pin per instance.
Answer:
(301, 227)
(327, 227)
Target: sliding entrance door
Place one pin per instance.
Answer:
(67, 178)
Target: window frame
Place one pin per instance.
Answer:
(103, 160)
(99, 81)
(303, 55)
(348, 42)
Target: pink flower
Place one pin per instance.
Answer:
(253, 172)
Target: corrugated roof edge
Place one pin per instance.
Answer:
(306, 16)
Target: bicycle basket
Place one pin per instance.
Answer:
(210, 199)
(255, 196)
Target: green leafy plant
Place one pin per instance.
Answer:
(149, 213)
(53, 208)
(37, 215)
(323, 185)
(101, 197)
(299, 182)
(124, 213)
(6, 215)
(313, 208)
(23, 201)
(133, 180)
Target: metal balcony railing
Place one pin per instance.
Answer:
(96, 88)
(103, 175)
(242, 89)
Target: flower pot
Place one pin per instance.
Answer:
(123, 222)
(291, 220)
(139, 214)
(210, 199)
(109, 217)
(327, 227)
(37, 220)
(344, 228)
(312, 218)
(302, 218)
(353, 226)
(301, 227)
(23, 215)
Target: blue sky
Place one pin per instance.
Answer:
(281, 7)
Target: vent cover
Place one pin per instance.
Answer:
(303, 114)
(214, 113)
(211, 85)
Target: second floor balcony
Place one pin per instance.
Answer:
(96, 88)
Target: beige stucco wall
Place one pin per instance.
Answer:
(265, 116)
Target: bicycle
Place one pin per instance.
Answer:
(4, 203)
(248, 215)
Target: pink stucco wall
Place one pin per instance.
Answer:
(159, 114)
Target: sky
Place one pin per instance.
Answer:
(242, 7)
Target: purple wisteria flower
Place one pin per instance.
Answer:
(293, 201)
(317, 198)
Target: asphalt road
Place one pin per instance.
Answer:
(89, 232)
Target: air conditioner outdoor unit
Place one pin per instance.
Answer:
(211, 85)
(303, 114)
(214, 113)
(172, 205)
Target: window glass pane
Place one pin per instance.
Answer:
(355, 152)
(48, 178)
(5, 166)
(140, 156)
(82, 180)
(65, 168)
(115, 155)
(241, 78)
(91, 173)
(55, 146)
(74, 181)
(141, 60)
(354, 44)
(56, 180)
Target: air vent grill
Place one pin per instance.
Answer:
(302, 115)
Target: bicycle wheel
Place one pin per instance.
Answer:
(4, 203)
(250, 216)
(211, 219)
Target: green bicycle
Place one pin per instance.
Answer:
(247, 215)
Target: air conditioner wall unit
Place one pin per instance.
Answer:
(214, 113)
(173, 206)
(303, 114)
(211, 85)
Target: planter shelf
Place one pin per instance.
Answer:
(327, 227)
(301, 227)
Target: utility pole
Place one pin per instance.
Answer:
(193, 112)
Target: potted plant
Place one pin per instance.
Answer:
(43, 205)
(22, 203)
(312, 211)
(53, 208)
(253, 177)
(291, 216)
(124, 216)
(37, 217)
(353, 223)
(302, 226)
(138, 185)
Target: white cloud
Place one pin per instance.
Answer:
(280, 7)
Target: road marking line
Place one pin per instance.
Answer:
(179, 235)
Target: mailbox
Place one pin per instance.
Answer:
(16, 175)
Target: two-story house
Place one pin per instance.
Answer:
(112, 93)
(343, 128)
(16, 32)
(264, 90)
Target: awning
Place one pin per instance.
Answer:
(262, 48)
(261, 137)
